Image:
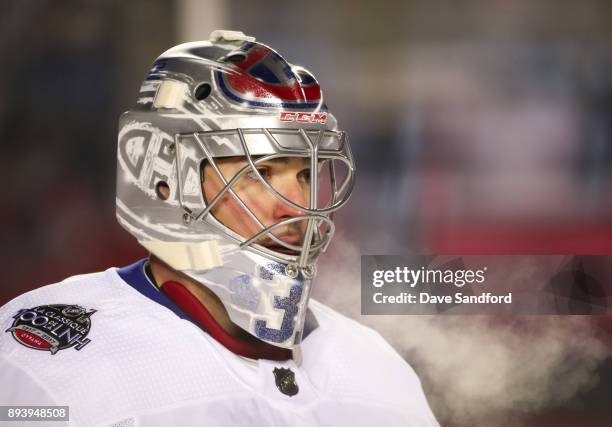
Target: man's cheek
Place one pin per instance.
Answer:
(262, 207)
(210, 189)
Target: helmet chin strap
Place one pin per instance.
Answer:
(252, 349)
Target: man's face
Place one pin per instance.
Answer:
(290, 176)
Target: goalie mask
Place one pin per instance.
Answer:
(231, 99)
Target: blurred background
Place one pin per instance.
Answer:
(478, 127)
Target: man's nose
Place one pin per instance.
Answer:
(294, 192)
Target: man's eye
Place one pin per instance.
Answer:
(264, 172)
(304, 176)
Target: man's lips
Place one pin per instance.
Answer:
(282, 249)
(290, 239)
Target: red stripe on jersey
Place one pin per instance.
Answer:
(198, 313)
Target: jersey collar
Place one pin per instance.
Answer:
(135, 276)
(179, 300)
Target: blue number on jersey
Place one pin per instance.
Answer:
(289, 304)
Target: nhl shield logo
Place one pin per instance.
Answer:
(285, 381)
(52, 327)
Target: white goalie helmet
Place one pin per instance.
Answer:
(232, 97)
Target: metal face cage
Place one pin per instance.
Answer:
(332, 176)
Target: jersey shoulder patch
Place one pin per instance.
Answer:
(50, 319)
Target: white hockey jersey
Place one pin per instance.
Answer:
(119, 353)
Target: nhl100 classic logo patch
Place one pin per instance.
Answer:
(52, 327)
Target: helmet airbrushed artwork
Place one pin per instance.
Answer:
(232, 97)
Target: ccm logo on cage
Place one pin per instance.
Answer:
(290, 116)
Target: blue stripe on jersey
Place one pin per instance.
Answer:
(135, 276)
